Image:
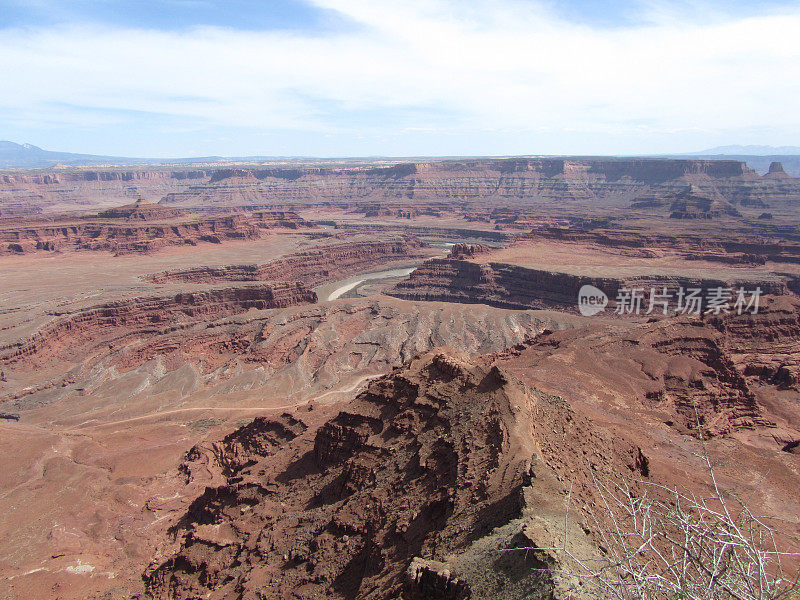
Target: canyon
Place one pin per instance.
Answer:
(548, 180)
(372, 378)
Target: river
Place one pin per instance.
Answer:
(355, 281)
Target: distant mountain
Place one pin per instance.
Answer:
(28, 156)
(752, 150)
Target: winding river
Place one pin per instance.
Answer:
(352, 284)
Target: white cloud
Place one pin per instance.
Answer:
(461, 66)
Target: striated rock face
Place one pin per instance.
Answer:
(83, 175)
(766, 345)
(312, 267)
(117, 319)
(80, 189)
(513, 286)
(686, 372)
(143, 230)
(701, 384)
(690, 245)
(398, 495)
(548, 179)
(462, 250)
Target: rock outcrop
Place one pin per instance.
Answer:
(140, 210)
(690, 203)
(776, 171)
(100, 324)
(765, 345)
(781, 246)
(312, 267)
(413, 490)
(137, 228)
(514, 286)
(462, 250)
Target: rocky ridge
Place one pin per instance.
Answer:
(780, 246)
(400, 494)
(98, 325)
(513, 286)
(312, 267)
(142, 230)
(54, 191)
(417, 486)
(546, 179)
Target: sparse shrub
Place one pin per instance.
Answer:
(683, 546)
(659, 543)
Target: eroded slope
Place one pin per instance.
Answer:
(417, 486)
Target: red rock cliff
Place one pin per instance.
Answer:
(69, 331)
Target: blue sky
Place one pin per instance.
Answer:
(381, 77)
(172, 14)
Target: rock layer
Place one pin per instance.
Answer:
(549, 180)
(546, 179)
(99, 324)
(782, 246)
(514, 286)
(142, 230)
(326, 263)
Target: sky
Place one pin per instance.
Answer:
(183, 78)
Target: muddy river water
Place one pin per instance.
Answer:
(342, 287)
